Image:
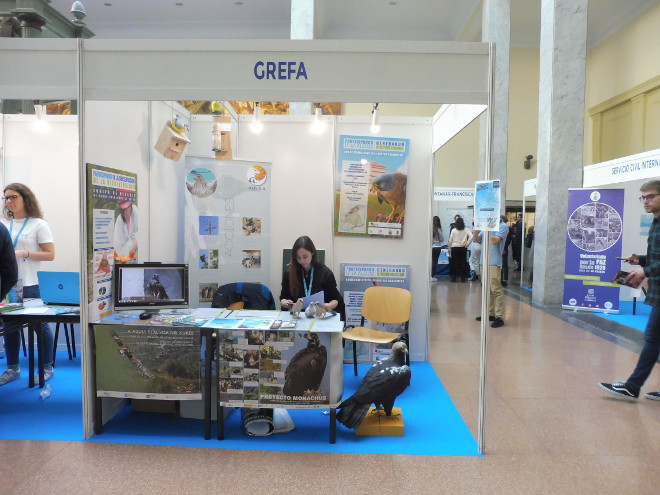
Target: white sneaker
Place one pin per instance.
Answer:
(49, 373)
(9, 376)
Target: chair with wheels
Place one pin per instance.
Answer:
(383, 305)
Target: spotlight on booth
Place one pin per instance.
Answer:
(40, 124)
(528, 162)
(318, 125)
(257, 126)
(375, 126)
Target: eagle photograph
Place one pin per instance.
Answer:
(305, 372)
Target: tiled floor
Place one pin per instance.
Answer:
(548, 427)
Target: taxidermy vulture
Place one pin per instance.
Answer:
(391, 188)
(305, 371)
(383, 383)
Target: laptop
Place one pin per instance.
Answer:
(59, 287)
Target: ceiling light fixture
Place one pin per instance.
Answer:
(257, 126)
(318, 125)
(375, 127)
(40, 124)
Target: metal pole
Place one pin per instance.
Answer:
(485, 252)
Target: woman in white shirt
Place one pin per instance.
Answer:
(33, 243)
(459, 240)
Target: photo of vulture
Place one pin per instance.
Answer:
(383, 383)
(391, 188)
(305, 371)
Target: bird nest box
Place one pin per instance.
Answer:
(171, 143)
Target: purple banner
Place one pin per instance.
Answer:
(593, 240)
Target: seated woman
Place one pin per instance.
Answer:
(306, 275)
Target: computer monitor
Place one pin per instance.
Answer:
(150, 286)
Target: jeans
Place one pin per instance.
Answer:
(13, 339)
(650, 351)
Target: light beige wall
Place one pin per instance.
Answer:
(618, 69)
(456, 163)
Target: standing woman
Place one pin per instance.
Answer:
(32, 240)
(306, 275)
(459, 240)
(437, 238)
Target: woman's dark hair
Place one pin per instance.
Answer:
(32, 208)
(459, 224)
(437, 226)
(295, 276)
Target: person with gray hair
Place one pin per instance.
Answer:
(648, 267)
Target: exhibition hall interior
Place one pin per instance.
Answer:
(250, 240)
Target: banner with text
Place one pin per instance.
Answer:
(370, 193)
(593, 240)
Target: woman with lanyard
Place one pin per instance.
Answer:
(306, 276)
(33, 243)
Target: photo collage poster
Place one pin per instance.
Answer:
(593, 241)
(148, 362)
(354, 279)
(112, 231)
(370, 192)
(227, 224)
(287, 368)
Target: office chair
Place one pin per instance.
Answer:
(384, 305)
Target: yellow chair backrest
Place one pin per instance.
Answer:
(387, 304)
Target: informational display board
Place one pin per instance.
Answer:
(148, 362)
(370, 195)
(487, 198)
(227, 226)
(593, 240)
(112, 230)
(260, 367)
(354, 279)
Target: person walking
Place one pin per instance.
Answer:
(649, 266)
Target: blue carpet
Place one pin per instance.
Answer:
(24, 415)
(627, 318)
(432, 423)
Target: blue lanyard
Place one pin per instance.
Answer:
(11, 227)
(308, 290)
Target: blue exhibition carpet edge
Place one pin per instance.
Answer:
(627, 318)
(433, 426)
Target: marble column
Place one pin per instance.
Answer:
(302, 28)
(496, 27)
(560, 140)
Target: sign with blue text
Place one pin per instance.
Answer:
(593, 241)
(487, 205)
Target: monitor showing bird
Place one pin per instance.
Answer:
(304, 374)
(391, 188)
(381, 385)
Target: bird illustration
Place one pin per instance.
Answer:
(305, 371)
(296, 308)
(383, 383)
(391, 188)
(310, 312)
(200, 187)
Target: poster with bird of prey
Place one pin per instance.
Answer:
(370, 190)
(287, 368)
(227, 224)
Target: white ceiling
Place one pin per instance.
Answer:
(429, 20)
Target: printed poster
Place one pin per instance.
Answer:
(354, 279)
(593, 240)
(284, 368)
(370, 193)
(227, 224)
(148, 362)
(112, 231)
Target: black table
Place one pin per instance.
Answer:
(54, 314)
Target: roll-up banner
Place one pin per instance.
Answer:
(593, 241)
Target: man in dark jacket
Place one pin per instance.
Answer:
(8, 267)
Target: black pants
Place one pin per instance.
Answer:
(435, 254)
(458, 264)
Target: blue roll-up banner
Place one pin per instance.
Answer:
(593, 241)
